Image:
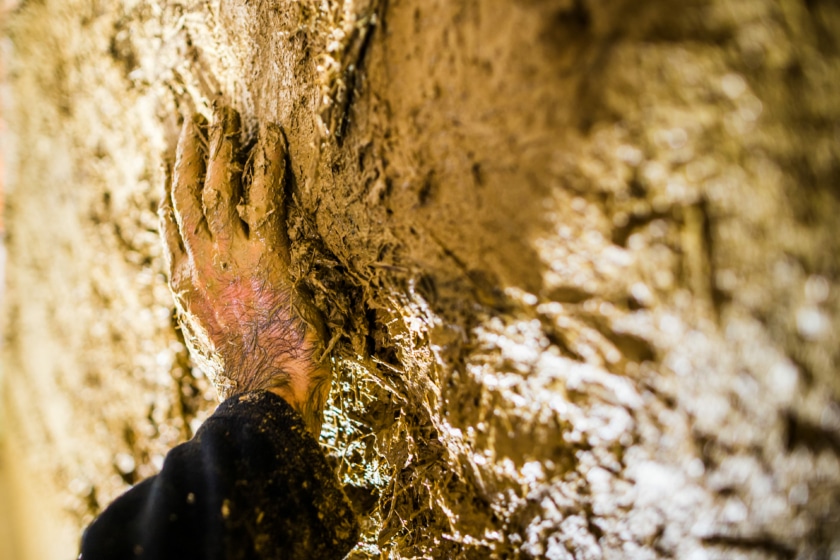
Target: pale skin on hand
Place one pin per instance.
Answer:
(228, 257)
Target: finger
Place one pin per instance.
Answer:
(264, 209)
(222, 187)
(173, 246)
(187, 183)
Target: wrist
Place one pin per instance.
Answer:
(290, 371)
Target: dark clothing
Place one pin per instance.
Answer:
(251, 484)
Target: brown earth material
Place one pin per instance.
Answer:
(577, 260)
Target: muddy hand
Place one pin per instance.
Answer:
(228, 256)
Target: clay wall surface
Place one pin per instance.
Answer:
(578, 261)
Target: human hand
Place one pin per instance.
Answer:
(228, 255)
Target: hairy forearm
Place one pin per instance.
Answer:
(261, 345)
(277, 351)
(266, 346)
(273, 348)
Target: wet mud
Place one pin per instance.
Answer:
(576, 261)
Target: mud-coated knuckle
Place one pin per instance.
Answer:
(255, 214)
(211, 198)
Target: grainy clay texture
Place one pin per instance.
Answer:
(578, 261)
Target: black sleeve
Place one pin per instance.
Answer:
(251, 484)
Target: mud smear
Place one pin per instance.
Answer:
(577, 262)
